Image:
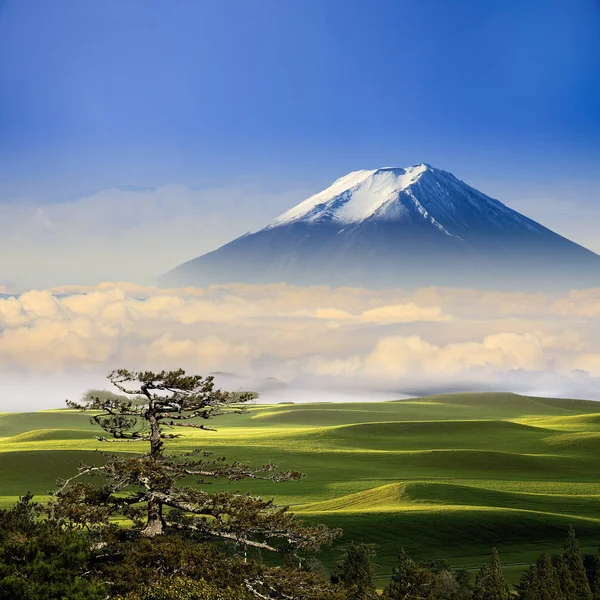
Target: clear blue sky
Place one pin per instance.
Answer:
(95, 93)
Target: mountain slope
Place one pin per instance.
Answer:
(395, 227)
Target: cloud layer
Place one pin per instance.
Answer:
(128, 234)
(319, 337)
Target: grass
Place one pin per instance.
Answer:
(446, 476)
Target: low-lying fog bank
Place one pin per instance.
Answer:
(301, 344)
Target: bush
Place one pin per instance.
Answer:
(41, 559)
(143, 563)
(184, 588)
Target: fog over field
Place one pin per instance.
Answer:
(301, 344)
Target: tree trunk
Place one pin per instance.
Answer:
(156, 443)
(156, 524)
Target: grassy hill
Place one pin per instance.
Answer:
(445, 476)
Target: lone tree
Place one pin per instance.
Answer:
(150, 489)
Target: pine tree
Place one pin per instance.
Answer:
(41, 559)
(147, 488)
(549, 584)
(565, 580)
(540, 581)
(465, 587)
(355, 571)
(528, 584)
(595, 582)
(592, 567)
(490, 583)
(574, 563)
(410, 581)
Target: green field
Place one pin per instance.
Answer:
(446, 476)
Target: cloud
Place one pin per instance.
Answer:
(403, 313)
(403, 356)
(387, 314)
(128, 234)
(318, 336)
(588, 362)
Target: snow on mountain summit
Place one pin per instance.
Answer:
(418, 195)
(354, 197)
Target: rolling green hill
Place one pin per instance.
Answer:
(445, 476)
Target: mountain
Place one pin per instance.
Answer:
(394, 227)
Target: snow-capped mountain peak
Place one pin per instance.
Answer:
(354, 197)
(393, 227)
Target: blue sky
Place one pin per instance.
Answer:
(148, 91)
(290, 95)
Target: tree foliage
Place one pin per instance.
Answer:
(410, 581)
(176, 566)
(490, 583)
(540, 581)
(592, 569)
(42, 559)
(565, 581)
(354, 571)
(149, 488)
(574, 563)
(426, 580)
(184, 588)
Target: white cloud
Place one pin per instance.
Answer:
(407, 356)
(385, 339)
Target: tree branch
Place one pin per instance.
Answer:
(260, 596)
(85, 471)
(223, 535)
